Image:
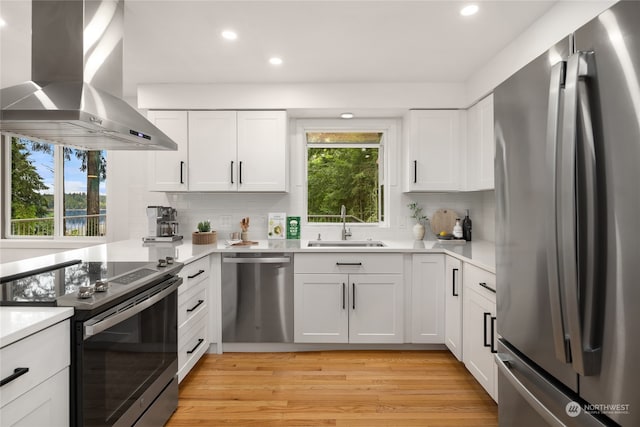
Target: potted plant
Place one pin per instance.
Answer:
(416, 213)
(204, 235)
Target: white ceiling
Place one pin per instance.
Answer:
(319, 41)
(392, 41)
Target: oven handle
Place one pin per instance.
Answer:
(96, 328)
(262, 260)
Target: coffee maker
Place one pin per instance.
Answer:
(163, 224)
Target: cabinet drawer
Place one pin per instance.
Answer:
(480, 280)
(348, 263)
(44, 354)
(192, 302)
(47, 404)
(192, 344)
(194, 273)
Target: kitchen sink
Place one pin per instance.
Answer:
(346, 244)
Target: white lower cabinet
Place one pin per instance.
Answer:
(479, 327)
(343, 298)
(427, 299)
(40, 396)
(193, 314)
(453, 306)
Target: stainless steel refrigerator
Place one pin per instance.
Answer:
(568, 230)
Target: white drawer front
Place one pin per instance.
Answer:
(349, 263)
(192, 344)
(45, 405)
(194, 273)
(44, 354)
(192, 302)
(480, 279)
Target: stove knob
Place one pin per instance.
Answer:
(169, 260)
(162, 262)
(85, 292)
(102, 286)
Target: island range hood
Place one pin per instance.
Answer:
(75, 95)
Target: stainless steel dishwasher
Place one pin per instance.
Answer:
(257, 297)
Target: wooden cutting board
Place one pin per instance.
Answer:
(443, 220)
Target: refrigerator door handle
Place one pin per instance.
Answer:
(579, 213)
(503, 363)
(556, 87)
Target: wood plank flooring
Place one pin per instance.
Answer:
(333, 388)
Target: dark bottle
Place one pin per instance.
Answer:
(466, 227)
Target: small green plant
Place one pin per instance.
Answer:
(204, 227)
(416, 211)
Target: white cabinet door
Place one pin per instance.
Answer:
(262, 151)
(321, 310)
(427, 299)
(376, 308)
(480, 146)
(213, 164)
(433, 150)
(453, 306)
(478, 322)
(168, 170)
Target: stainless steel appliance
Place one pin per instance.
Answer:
(257, 297)
(163, 224)
(124, 355)
(567, 201)
(74, 96)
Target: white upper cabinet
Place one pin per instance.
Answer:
(262, 154)
(432, 150)
(480, 146)
(212, 151)
(224, 151)
(168, 169)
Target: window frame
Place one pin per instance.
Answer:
(58, 197)
(386, 147)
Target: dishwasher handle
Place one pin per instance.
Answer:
(261, 260)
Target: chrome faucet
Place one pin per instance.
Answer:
(343, 216)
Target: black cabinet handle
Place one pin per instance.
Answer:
(18, 372)
(453, 281)
(232, 171)
(348, 263)
(484, 326)
(353, 286)
(200, 341)
(343, 296)
(200, 301)
(196, 275)
(181, 172)
(240, 173)
(493, 333)
(484, 285)
(415, 171)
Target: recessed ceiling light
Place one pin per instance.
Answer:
(275, 61)
(229, 35)
(347, 115)
(469, 10)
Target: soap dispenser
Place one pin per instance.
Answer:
(457, 229)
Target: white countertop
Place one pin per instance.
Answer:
(479, 253)
(17, 323)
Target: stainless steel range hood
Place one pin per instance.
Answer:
(74, 97)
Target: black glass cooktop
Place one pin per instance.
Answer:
(59, 284)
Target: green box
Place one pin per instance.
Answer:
(293, 227)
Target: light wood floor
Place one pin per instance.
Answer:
(333, 388)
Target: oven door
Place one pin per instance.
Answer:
(127, 357)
